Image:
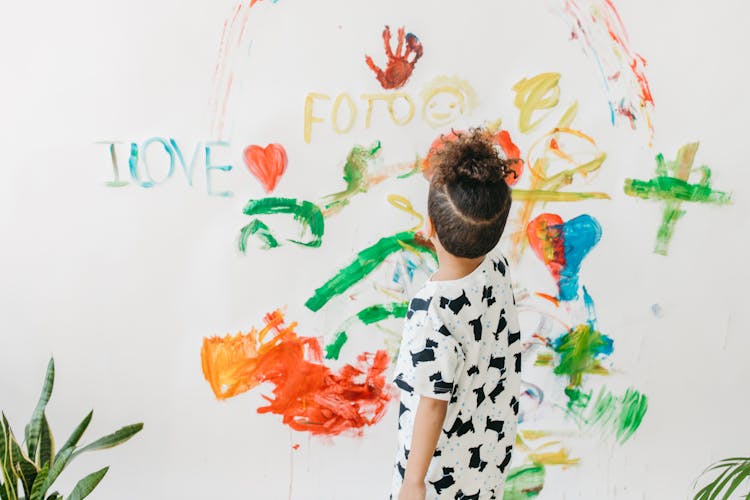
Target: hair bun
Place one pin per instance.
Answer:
(469, 157)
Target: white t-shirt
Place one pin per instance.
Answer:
(462, 344)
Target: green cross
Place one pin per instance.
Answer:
(672, 186)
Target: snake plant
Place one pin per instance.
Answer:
(30, 468)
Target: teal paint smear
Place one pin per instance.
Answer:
(307, 214)
(210, 167)
(671, 185)
(364, 263)
(167, 148)
(334, 348)
(133, 167)
(524, 482)
(355, 175)
(116, 182)
(618, 415)
(368, 316)
(188, 170)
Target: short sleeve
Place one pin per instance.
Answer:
(436, 360)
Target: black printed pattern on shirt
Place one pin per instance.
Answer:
(462, 343)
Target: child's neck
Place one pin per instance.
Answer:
(451, 267)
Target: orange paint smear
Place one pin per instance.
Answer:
(543, 340)
(307, 394)
(552, 299)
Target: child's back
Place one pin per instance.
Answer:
(462, 343)
(461, 351)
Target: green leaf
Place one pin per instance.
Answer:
(10, 476)
(735, 471)
(26, 469)
(715, 488)
(742, 474)
(57, 467)
(87, 485)
(46, 443)
(66, 452)
(110, 440)
(77, 433)
(34, 427)
(36, 491)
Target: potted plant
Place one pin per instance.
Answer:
(33, 466)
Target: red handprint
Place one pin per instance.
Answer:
(399, 67)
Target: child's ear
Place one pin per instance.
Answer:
(430, 229)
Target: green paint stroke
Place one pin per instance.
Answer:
(334, 348)
(671, 185)
(577, 399)
(619, 414)
(368, 316)
(380, 312)
(580, 350)
(524, 482)
(364, 263)
(307, 214)
(355, 175)
(260, 230)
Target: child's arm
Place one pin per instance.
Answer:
(428, 424)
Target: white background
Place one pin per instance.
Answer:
(121, 285)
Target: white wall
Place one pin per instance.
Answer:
(122, 284)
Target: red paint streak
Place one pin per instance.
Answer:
(636, 62)
(307, 394)
(244, 26)
(224, 69)
(545, 235)
(230, 80)
(219, 66)
(266, 164)
(501, 138)
(627, 113)
(400, 63)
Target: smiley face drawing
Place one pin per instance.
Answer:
(445, 99)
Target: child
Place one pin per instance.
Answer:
(459, 366)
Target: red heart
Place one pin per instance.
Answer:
(266, 164)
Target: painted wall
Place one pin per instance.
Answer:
(208, 212)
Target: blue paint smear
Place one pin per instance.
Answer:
(580, 235)
(411, 266)
(590, 309)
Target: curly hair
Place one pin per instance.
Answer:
(469, 200)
